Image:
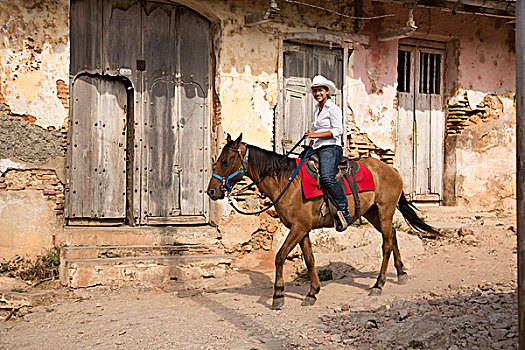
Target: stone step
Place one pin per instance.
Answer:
(138, 235)
(77, 273)
(126, 251)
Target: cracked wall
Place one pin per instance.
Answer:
(34, 75)
(479, 62)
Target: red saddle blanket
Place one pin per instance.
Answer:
(365, 181)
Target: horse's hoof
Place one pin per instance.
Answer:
(277, 303)
(374, 291)
(402, 278)
(309, 301)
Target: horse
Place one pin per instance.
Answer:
(271, 172)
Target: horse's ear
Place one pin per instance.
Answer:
(239, 139)
(228, 138)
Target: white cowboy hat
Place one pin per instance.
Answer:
(319, 80)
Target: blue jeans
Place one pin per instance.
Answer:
(329, 157)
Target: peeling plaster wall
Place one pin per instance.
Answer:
(34, 55)
(485, 158)
(247, 83)
(372, 90)
(34, 75)
(480, 60)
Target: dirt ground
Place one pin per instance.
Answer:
(460, 295)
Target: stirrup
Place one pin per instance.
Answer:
(342, 225)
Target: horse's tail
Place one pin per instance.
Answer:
(413, 220)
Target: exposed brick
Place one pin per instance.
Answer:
(43, 172)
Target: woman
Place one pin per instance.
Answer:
(325, 133)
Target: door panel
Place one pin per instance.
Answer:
(193, 109)
(121, 35)
(420, 121)
(162, 179)
(86, 46)
(98, 153)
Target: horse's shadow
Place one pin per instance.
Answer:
(335, 272)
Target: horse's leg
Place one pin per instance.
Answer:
(294, 237)
(381, 217)
(315, 285)
(402, 276)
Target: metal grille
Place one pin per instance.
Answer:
(403, 71)
(430, 73)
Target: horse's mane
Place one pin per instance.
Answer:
(269, 163)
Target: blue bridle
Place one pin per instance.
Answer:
(244, 164)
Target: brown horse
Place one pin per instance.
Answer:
(301, 216)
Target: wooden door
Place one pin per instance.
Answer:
(300, 64)
(153, 59)
(420, 121)
(176, 88)
(97, 166)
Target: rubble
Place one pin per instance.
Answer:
(461, 318)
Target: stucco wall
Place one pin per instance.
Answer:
(34, 70)
(479, 61)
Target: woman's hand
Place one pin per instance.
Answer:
(310, 134)
(321, 135)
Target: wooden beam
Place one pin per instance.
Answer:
(520, 176)
(503, 9)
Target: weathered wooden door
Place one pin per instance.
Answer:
(176, 88)
(300, 64)
(97, 169)
(147, 63)
(420, 121)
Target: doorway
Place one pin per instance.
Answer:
(156, 157)
(421, 120)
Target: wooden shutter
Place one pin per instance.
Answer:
(405, 124)
(301, 63)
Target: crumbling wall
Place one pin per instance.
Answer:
(34, 75)
(483, 138)
(479, 65)
(31, 211)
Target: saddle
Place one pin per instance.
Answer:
(347, 167)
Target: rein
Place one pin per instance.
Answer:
(244, 164)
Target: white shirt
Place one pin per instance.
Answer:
(330, 119)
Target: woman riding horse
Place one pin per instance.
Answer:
(326, 133)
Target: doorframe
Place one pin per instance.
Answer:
(345, 42)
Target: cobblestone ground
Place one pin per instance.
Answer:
(460, 295)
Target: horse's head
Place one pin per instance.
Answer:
(228, 169)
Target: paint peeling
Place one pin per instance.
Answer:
(247, 105)
(6, 164)
(34, 54)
